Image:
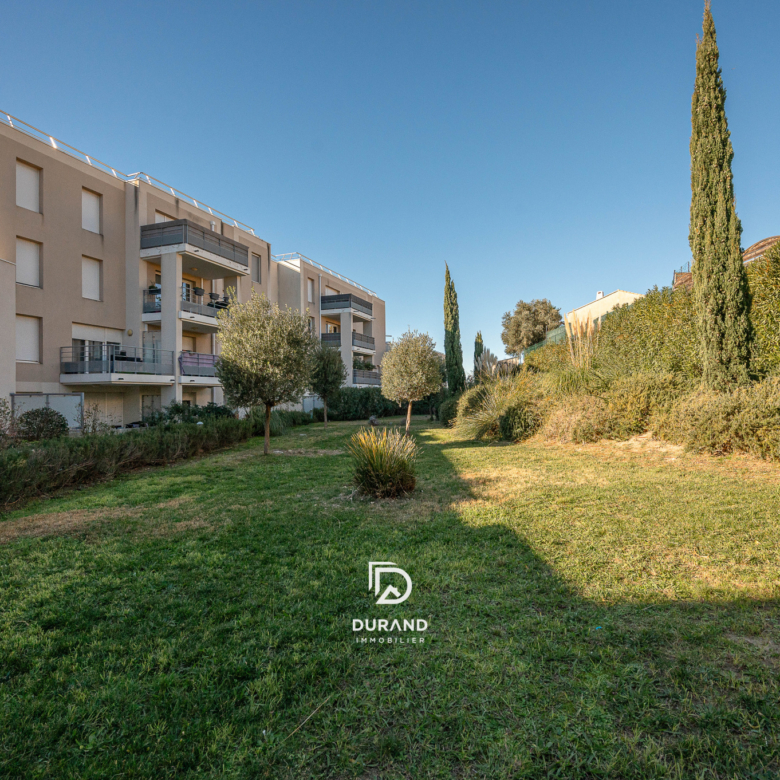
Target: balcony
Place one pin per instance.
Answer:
(198, 364)
(206, 304)
(193, 239)
(366, 377)
(331, 339)
(347, 301)
(363, 342)
(109, 363)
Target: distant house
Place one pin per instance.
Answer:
(753, 252)
(603, 304)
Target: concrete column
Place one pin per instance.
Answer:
(170, 338)
(346, 344)
(8, 329)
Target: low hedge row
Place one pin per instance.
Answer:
(41, 468)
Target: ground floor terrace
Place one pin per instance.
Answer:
(594, 611)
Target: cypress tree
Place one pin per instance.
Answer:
(479, 348)
(720, 285)
(453, 352)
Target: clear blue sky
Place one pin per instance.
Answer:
(540, 148)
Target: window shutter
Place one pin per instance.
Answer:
(310, 288)
(28, 186)
(90, 278)
(28, 262)
(28, 339)
(90, 211)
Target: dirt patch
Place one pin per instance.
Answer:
(308, 453)
(762, 643)
(61, 523)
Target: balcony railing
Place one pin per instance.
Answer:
(182, 231)
(347, 301)
(115, 359)
(331, 339)
(365, 342)
(366, 377)
(198, 364)
(207, 304)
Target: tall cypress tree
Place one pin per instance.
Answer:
(720, 286)
(479, 347)
(453, 352)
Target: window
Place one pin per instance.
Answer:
(311, 326)
(90, 278)
(28, 262)
(160, 217)
(331, 328)
(256, 260)
(188, 344)
(90, 211)
(28, 339)
(310, 290)
(28, 186)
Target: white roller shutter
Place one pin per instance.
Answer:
(28, 186)
(90, 278)
(96, 333)
(90, 211)
(28, 262)
(28, 339)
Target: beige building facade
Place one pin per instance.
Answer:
(112, 284)
(603, 304)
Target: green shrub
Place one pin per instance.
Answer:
(448, 410)
(764, 279)
(257, 418)
(578, 419)
(746, 419)
(293, 419)
(654, 334)
(518, 421)
(360, 403)
(550, 357)
(480, 409)
(41, 424)
(38, 469)
(384, 462)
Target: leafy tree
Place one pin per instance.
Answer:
(266, 355)
(720, 286)
(453, 352)
(328, 375)
(764, 277)
(479, 347)
(411, 370)
(529, 324)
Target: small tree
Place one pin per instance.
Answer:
(529, 324)
(411, 371)
(266, 355)
(328, 375)
(453, 352)
(479, 348)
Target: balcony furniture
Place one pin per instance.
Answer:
(214, 296)
(199, 291)
(347, 301)
(182, 231)
(113, 359)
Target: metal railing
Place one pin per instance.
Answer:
(206, 305)
(333, 339)
(115, 359)
(366, 377)
(198, 364)
(291, 256)
(71, 151)
(347, 301)
(366, 342)
(182, 231)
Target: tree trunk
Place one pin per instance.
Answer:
(325, 411)
(267, 444)
(408, 418)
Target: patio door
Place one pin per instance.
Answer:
(152, 344)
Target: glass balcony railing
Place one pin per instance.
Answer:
(366, 377)
(115, 359)
(198, 364)
(347, 301)
(206, 304)
(182, 231)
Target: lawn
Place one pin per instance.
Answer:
(602, 611)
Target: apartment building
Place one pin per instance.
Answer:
(112, 283)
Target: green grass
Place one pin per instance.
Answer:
(594, 611)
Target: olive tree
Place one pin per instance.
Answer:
(328, 375)
(266, 355)
(411, 370)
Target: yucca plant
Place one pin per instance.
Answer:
(384, 462)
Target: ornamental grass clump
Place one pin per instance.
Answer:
(384, 462)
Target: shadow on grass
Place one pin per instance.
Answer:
(230, 651)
